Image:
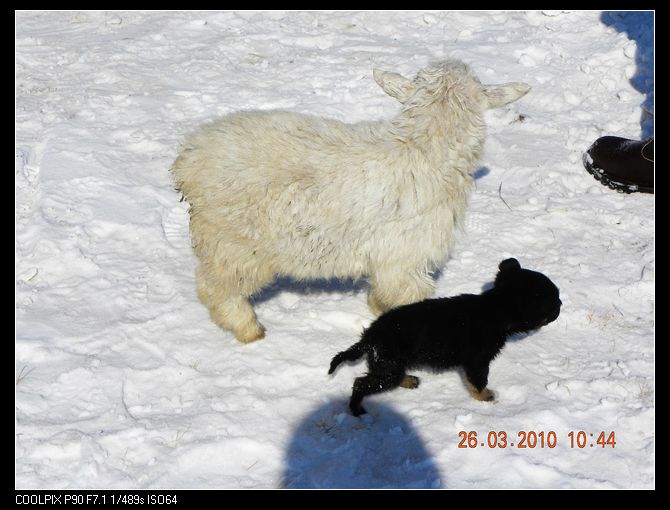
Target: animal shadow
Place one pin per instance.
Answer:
(307, 287)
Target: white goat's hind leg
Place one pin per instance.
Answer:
(229, 311)
(237, 314)
(393, 289)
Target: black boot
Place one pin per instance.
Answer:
(624, 165)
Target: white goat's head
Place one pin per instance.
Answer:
(451, 80)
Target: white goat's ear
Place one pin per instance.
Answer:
(394, 84)
(500, 95)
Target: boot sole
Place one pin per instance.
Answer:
(620, 186)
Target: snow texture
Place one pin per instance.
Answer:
(122, 380)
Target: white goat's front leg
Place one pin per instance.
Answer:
(229, 311)
(395, 288)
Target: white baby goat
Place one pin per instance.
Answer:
(277, 193)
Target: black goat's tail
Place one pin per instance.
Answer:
(351, 354)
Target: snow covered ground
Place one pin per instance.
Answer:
(122, 381)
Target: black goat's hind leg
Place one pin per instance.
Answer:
(410, 382)
(376, 382)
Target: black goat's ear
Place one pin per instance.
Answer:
(509, 264)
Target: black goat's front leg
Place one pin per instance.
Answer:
(477, 375)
